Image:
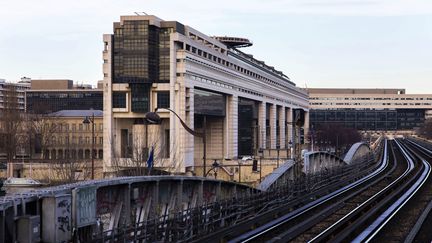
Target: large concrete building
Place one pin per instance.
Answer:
(370, 110)
(242, 103)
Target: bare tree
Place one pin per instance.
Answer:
(69, 167)
(131, 160)
(11, 119)
(335, 135)
(43, 129)
(426, 129)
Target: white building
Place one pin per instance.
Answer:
(15, 91)
(243, 103)
(370, 110)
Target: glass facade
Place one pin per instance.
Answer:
(43, 102)
(141, 56)
(209, 103)
(140, 97)
(247, 127)
(375, 120)
(163, 99)
(119, 99)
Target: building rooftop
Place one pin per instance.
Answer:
(354, 91)
(77, 113)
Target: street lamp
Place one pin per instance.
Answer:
(154, 118)
(88, 120)
(215, 167)
(261, 153)
(289, 148)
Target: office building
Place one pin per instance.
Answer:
(47, 96)
(391, 110)
(242, 103)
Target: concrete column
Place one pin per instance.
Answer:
(108, 136)
(289, 119)
(262, 124)
(231, 128)
(189, 114)
(272, 119)
(181, 142)
(306, 127)
(282, 117)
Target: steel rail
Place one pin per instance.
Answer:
(362, 205)
(420, 221)
(373, 229)
(251, 235)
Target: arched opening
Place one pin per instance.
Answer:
(53, 154)
(87, 154)
(80, 154)
(60, 154)
(46, 154)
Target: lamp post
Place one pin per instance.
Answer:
(289, 149)
(278, 148)
(88, 120)
(154, 118)
(215, 167)
(261, 153)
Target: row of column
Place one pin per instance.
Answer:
(277, 136)
(285, 117)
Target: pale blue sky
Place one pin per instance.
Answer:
(318, 43)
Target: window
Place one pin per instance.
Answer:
(87, 140)
(74, 127)
(119, 100)
(80, 127)
(163, 99)
(100, 140)
(101, 127)
(140, 97)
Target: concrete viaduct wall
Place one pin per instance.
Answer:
(55, 212)
(314, 162)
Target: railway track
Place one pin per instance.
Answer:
(413, 222)
(359, 211)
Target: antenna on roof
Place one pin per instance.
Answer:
(140, 13)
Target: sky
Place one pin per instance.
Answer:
(317, 43)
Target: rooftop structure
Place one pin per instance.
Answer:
(233, 42)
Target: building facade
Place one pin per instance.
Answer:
(47, 96)
(242, 104)
(13, 94)
(65, 136)
(370, 109)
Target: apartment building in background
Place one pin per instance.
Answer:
(13, 94)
